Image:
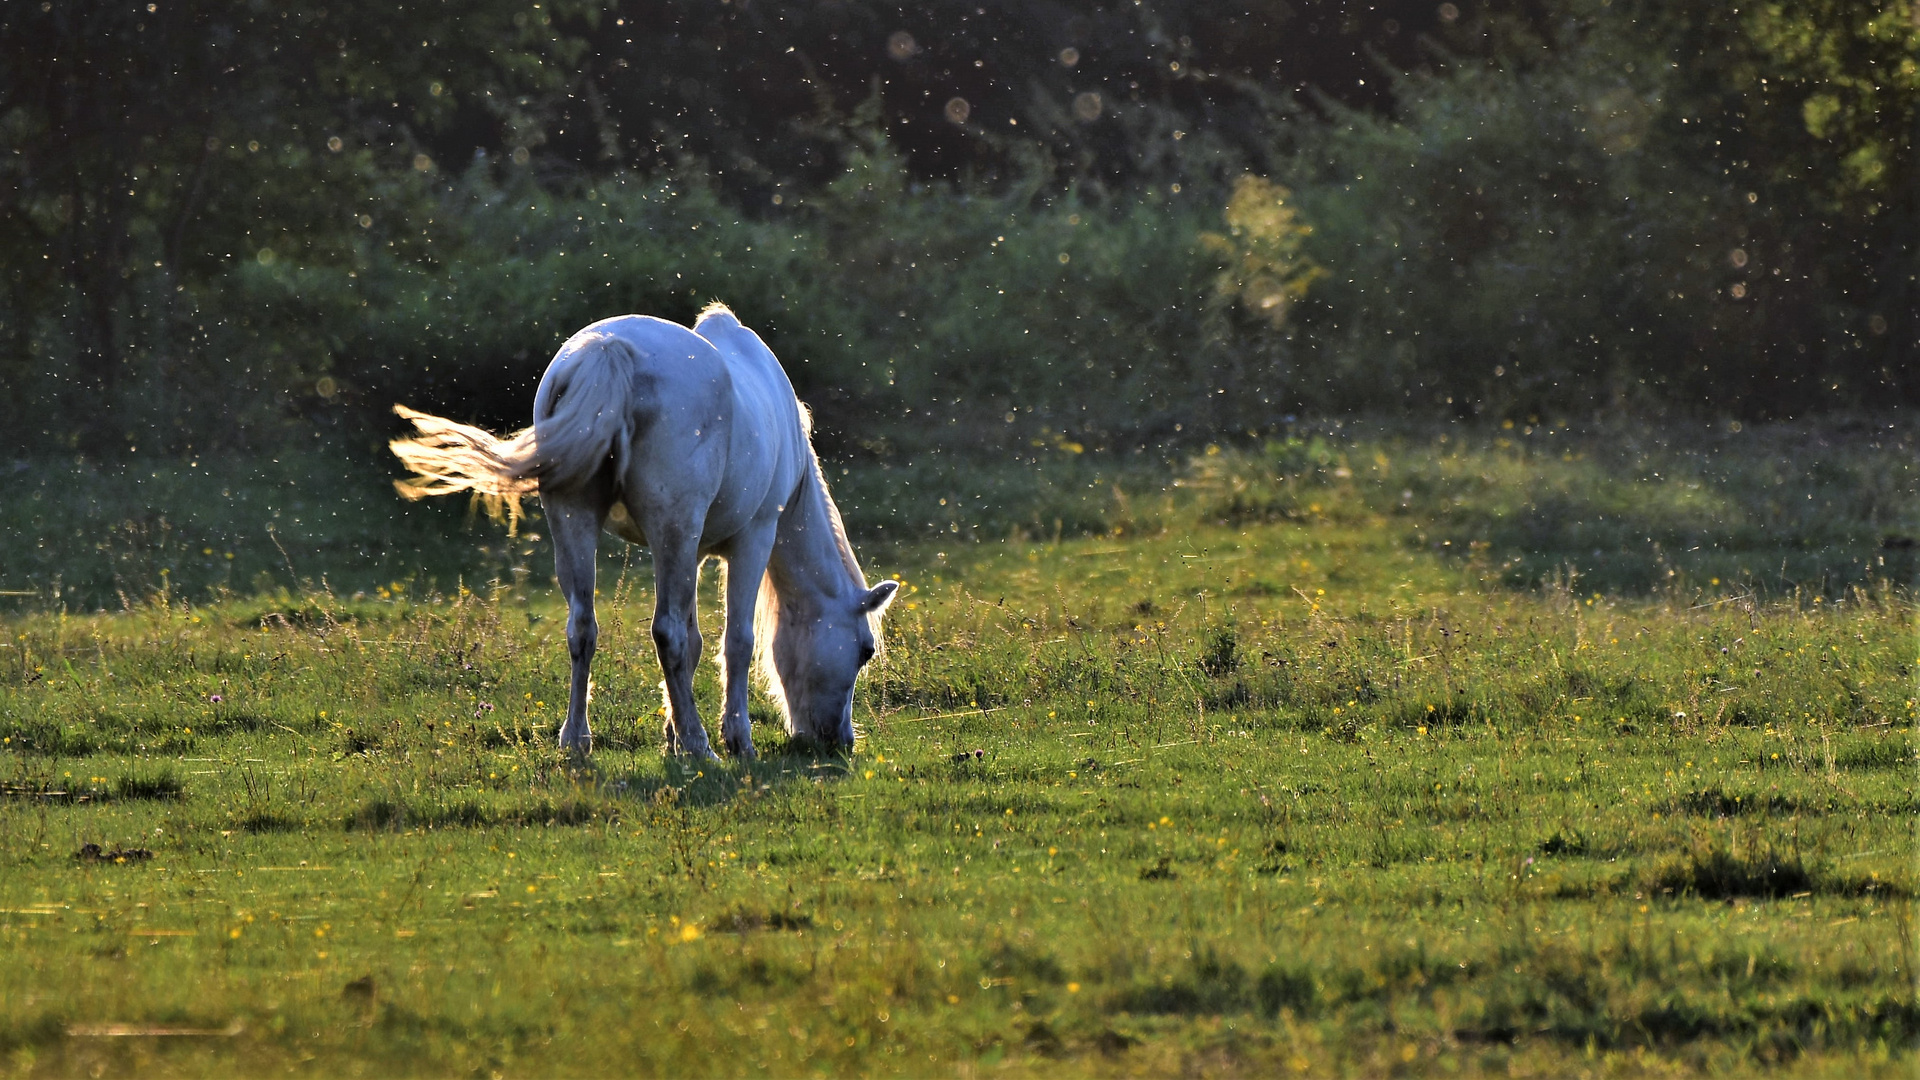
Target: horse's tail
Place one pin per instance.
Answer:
(582, 415)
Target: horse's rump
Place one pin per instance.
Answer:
(583, 414)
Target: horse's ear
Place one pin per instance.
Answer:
(879, 597)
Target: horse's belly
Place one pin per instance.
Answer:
(722, 523)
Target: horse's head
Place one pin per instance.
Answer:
(819, 656)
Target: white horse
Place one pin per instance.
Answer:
(692, 443)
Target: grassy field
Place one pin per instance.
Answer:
(1519, 753)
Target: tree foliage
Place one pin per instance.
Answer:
(217, 217)
(153, 149)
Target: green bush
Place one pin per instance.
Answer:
(1507, 246)
(1631, 219)
(907, 315)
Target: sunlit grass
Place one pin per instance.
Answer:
(1253, 775)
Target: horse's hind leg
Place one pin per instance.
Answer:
(676, 635)
(575, 525)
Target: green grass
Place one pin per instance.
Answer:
(1260, 768)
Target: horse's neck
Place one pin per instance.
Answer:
(808, 564)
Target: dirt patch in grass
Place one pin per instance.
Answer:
(94, 853)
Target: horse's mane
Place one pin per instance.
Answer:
(840, 540)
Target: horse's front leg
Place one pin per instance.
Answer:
(676, 637)
(575, 527)
(745, 568)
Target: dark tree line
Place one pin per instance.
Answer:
(196, 194)
(148, 145)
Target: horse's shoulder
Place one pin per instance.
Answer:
(728, 334)
(746, 356)
(716, 315)
(761, 383)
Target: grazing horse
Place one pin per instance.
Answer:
(692, 443)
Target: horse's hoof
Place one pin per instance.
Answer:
(703, 752)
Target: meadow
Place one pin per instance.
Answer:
(1524, 751)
